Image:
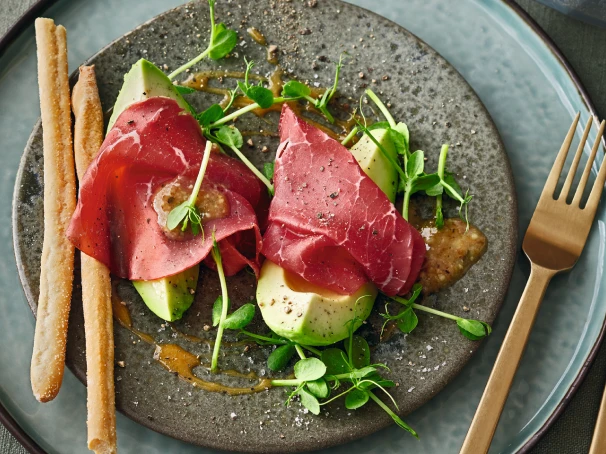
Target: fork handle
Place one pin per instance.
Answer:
(598, 443)
(491, 405)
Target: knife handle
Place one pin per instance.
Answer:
(491, 405)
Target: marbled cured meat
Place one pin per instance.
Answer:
(330, 223)
(152, 143)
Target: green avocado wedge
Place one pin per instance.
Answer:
(305, 313)
(374, 163)
(144, 80)
(169, 297)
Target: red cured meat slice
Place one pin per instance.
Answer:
(330, 223)
(418, 257)
(152, 143)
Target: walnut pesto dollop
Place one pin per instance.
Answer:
(451, 251)
(211, 202)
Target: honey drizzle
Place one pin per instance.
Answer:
(201, 81)
(256, 34)
(176, 359)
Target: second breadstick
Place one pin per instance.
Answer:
(96, 282)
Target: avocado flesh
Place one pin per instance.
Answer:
(169, 297)
(143, 81)
(305, 313)
(374, 163)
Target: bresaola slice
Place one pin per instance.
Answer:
(330, 223)
(152, 143)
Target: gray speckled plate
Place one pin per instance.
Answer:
(426, 93)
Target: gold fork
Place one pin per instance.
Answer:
(553, 243)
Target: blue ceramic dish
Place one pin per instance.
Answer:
(531, 96)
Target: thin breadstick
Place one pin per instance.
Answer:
(96, 282)
(57, 266)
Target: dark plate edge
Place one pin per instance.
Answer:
(536, 28)
(29, 16)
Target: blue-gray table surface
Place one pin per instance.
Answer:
(585, 48)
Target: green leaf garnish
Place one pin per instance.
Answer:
(473, 329)
(222, 41)
(183, 90)
(310, 369)
(229, 136)
(176, 216)
(279, 358)
(210, 115)
(232, 138)
(261, 95)
(309, 401)
(407, 320)
(360, 354)
(241, 317)
(335, 360)
(318, 388)
(356, 399)
(268, 170)
(295, 89)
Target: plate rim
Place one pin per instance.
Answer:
(40, 6)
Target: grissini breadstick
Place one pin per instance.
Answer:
(96, 282)
(57, 266)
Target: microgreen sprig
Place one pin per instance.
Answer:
(264, 97)
(406, 319)
(317, 378)
(236, 320)
(222, 41)
(187, 212)
(297, 90)
(413, 178)
(449, 185)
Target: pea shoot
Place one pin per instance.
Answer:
(317, 378)
(410, 169)
(298, 90)
(220, 315)
(187, 212)
(406, 319)
(222, 42)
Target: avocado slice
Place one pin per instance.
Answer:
(374, 163)
(144, 80)
(169, 297)
(305, 313)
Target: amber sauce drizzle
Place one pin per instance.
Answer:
(255, 34)
(177, 360)
(201, 81)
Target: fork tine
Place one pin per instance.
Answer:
(598, 186)
(575, 162)
(558, 165)
(581, 188)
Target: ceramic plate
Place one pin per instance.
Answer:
(509, 78)
(424, 91)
